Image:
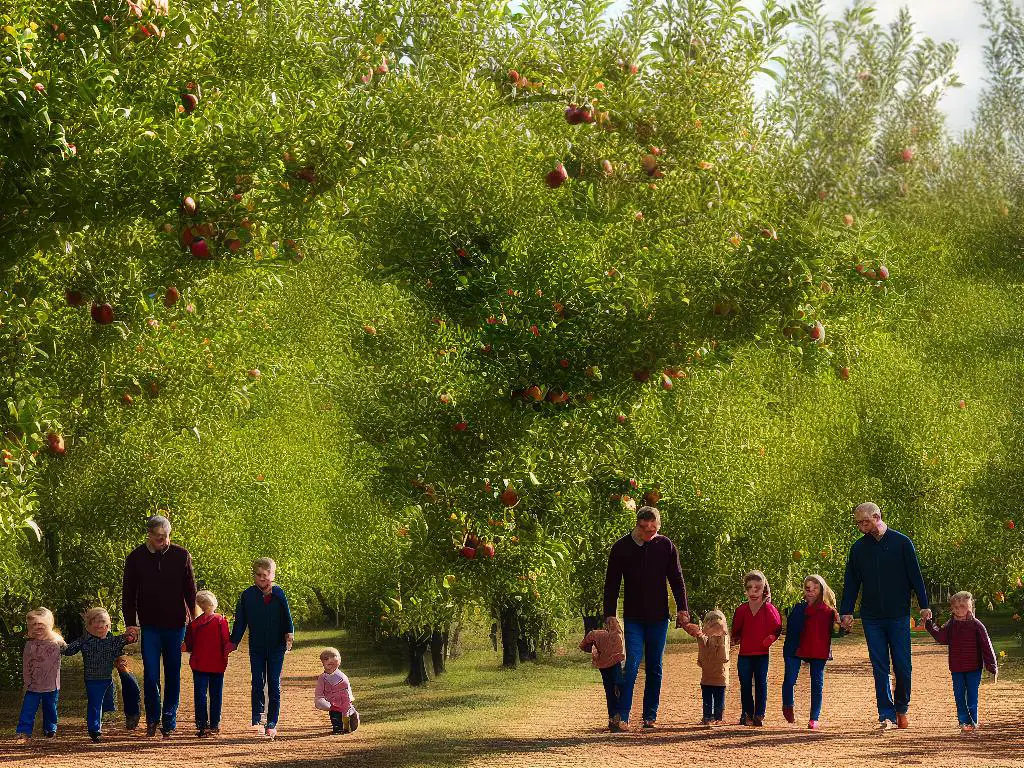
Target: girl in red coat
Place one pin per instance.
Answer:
(206, 639)
(970, 649)
(755, 626)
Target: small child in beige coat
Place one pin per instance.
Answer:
(713, 660)
(607, 649)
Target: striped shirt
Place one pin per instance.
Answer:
(98, 653)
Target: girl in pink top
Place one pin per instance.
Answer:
(607, 650)
(41, 673)
(755, 626)
(333, 693)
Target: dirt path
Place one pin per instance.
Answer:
(402, 731)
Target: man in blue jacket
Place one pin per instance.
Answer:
(883, 565)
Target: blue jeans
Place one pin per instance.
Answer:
(130, 696)
(714, 701)
(753, 673)
(266, 671)
(646, 639)
(48, 701)
(887, 637)
(612, 679)
(161, 643)
(214, 683)
(817, 683)
(95, 693)
(965, 692)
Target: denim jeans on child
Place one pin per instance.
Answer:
(714, 701)
(885, 637)
(131, 696)
(343, 723)
(160, 643)
(266, 672)
(965, 693)
(817, 683)
(95, 694)
(612, 679)
(753, 674)
(212, 682)
(32, 702)
(644, 639)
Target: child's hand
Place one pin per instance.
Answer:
(183, 648)
(288, 639)
(768, 640)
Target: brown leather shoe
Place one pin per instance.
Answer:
(902, 721)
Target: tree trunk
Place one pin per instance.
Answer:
(509, 638)
(525, 646)
(438, 644)
(453, 643)
(329, 611)
(416, 646)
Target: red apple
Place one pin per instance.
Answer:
(1010, 525)
(200, 249)
(652, 497)
(509, 497)
(254, 374)
(460, 426)
(883, 272)
(103, 314)
(848, 219)
(558, 397)
(962, 404)
(513, 76)
(607, 167)
(817, 332)
(487, 550)
(534, 393)
(152, 323)
(907, 154)
(642, 375)
(190, 101)
(797, 555)
(468, 552)
(564, 363)
(74, 298)
(843, 373)
(55, 442)
(171, 296)
(127, 399)
(621, 418)
(370, 330)
(188, 206)
(573, 115)
(666, 381)
(556, 177)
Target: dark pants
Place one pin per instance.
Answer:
(714, 701)
(817, 683)
(159, 643)
(753, 673)
(266, 672)
(339, 724)
(95, 695)
(208, 717)
(612, 679)
(644, 639)
(32, 702)
(131, 696)
(890, 638)
(965, 693)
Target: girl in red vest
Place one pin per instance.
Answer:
(206, 639)
(755, 626)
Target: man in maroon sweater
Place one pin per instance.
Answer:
(159, 595)
(644, 560)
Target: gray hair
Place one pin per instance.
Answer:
(158, 522)
(648, 513)
(868, 508)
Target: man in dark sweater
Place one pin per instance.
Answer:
(159, 595)
(883, 566)
(644, 560)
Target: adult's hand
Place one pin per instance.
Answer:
(846, 621)
(132, 634)
(926, 613)
(682, 618)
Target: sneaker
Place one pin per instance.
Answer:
(95, 737)
(353, 721)
(812, 725)
(337, 729)
(202, 733)
(902, 721)
(214, 731)
(648, 725)
(270, 733)
(22, 739)
(746, 720)
(885, 726)
(717, 721)
(619, 726)
(151, 729)
(787, 712)
(706, 722)
(258, 728)
(131, 722)
(758, 722)
(166, 732)
(968, 730)
(50, 734)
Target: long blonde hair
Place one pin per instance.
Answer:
(45, 615)
(828, 597)
(759, 576)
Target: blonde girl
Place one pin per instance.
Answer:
(809, 639)
(713, 660)
(41, 673)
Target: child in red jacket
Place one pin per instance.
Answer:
(755, 626)
(970, 649)
(206, 640)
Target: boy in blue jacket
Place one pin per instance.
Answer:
(263, 608)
